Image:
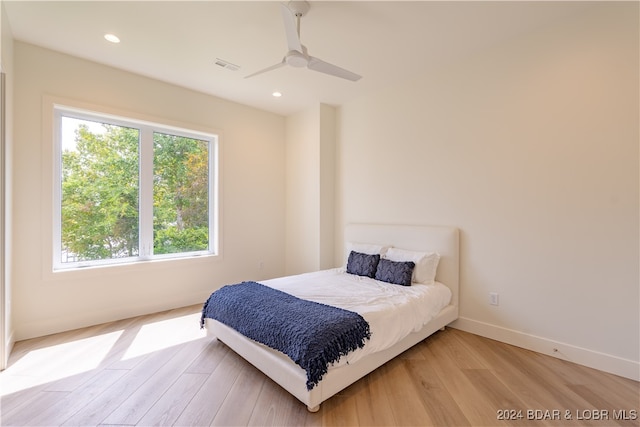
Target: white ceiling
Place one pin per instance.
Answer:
(179, 41)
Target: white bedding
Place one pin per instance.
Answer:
(392, 311)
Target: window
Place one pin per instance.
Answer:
(128, 191)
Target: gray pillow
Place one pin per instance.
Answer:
(396, 272)
(362, 264)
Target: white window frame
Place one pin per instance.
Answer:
(146, 155)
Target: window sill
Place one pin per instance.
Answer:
(138, 266)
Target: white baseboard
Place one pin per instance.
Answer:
(68, 321)
(582, 356)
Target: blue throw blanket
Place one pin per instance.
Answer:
(313, 335)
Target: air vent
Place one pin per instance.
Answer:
(226, 64)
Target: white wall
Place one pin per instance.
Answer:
(531, 149)
(302, 172)
(327, 149)
(6, 64)
(252, 198)
(310, 170)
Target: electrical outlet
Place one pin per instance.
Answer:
(493, 298)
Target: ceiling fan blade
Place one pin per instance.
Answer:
(316, 64)
(290, 28)
(273, 67)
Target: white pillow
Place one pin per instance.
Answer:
(364, 248)
(426, 263)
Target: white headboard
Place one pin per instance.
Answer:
(443, 240)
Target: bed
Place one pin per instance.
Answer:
(281, 369)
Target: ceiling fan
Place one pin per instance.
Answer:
(297, 55)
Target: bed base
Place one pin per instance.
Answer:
(292, 377)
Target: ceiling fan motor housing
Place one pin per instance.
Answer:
(297, 59)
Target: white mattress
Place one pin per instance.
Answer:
(392, 311)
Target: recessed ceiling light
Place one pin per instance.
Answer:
(112, 38)
(277, 94)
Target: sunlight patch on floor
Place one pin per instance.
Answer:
(51, 363)
(164, 334)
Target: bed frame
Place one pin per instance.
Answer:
(293, 378)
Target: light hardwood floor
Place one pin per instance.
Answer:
(160, 369)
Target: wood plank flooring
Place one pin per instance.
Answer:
(161, 370)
